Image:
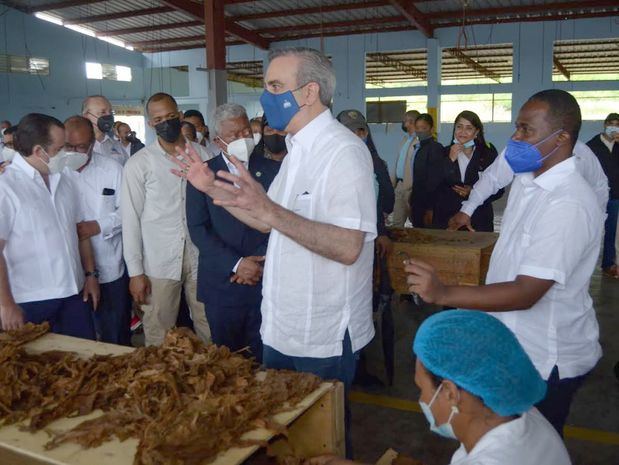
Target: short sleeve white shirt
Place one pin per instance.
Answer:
(309, 302)
(39, 227)
(111, 148)
(552, 229)
(100, 184)
(529, 439)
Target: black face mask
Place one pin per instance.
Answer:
(275, 143)
(131, 137)
(404, 128)
(105, 123)
(169, 130)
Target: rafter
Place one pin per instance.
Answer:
(60, 5)
(471, 63)
(119, 15)
(174, 40)
(236, 30)
(533, 19)
(397, 65)
(335, 24)
(157, 27)
(562, 69)
(311, 10)
(344, 33)
(416, 17)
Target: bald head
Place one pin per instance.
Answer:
(79, 134)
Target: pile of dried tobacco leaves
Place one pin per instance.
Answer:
(184, 401)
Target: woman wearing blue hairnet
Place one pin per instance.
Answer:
(479, 387)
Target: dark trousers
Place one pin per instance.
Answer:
(560, 392)
(113, 316)
(341, 368)
(610, 233)
(70, 316)
(236, 326)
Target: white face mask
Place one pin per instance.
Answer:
(257, 137)
(199, 137)
(240, 148)
(57, 163)
(75, 160)
(8, 153)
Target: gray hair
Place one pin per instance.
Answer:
(314, 66)
(87, 100)
(225, 112)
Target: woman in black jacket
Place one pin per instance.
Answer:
(468, 155)
(426, 172)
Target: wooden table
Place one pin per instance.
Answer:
(315, 426)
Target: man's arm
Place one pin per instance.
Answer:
(11, 316)
(133, 196)
(91, 286)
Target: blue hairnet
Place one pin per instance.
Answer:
(482, 356)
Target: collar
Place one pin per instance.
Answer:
(22, 164)
(555, 176)
(311, 131)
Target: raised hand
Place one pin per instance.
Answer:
(193, 169)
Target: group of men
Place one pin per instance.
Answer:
(278, 257)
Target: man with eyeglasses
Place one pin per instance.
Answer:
(98, 110)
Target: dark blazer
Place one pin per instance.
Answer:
(448, 202)
(222, 239)
(386, 194)
(426, 179)
(609, 162)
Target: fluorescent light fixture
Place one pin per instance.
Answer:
(112, 41)
(51, 19)
(81, 30)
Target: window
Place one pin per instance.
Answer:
(484, 64)
(396, 69)
(24, 65)
(108, 72)
(392, 109)
(595, 105)
(585, 60)
(489, 107)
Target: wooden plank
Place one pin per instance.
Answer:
(459, 257)
(23, 448)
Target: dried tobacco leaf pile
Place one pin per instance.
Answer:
(184, 401)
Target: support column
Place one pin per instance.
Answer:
(215, 36)
(434, 81)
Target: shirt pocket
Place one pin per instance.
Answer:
(107, 205)
(303, 205)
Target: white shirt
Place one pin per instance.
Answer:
(153, 215)
(39, 227)
(111, 148)
(552, 229)
(99, 174)
(609, 143)
(310, 301)
(499, 174)
(463, 164)
(126, 149)
(529, 440)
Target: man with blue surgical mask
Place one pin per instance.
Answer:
(540, 269)
(606, 149)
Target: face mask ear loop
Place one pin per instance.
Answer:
(434, 396)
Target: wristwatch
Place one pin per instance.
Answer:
(93, 273)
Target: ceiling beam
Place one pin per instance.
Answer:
(397, 65)
(335, 24)
(196, 10)
(534, 19)
(353, 32)
(60, 5)
(474, 65)
(416, 17)
(120, 15)
(524, 10)
(163, 41)
(562, 69)
(157, 27)
(312, 10)
(171, 49)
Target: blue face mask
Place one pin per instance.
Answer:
(523, 157)
(445, 429)
(611, 130)
(466, 145)
(279, 109)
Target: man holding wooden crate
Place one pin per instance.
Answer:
(540, 270)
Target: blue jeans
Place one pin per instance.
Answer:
(560, 392)
(113, 316)
(610, 233)
(70, 316)
(341, 368)
(236, 326)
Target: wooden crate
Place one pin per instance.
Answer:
(459, 257)
(315, 425)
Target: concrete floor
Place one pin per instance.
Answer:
(595, 409)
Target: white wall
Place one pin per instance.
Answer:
(532, 69)
(60, 94)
